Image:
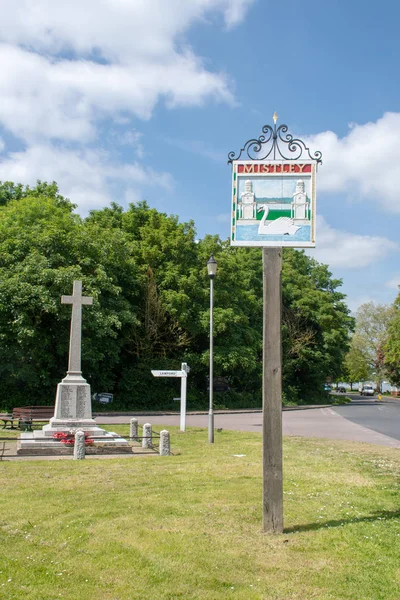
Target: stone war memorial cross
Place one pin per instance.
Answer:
(73, 402)
(73, 408)
(75, 342)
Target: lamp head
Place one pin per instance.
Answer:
(211, 267)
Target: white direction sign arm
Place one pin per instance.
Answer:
(168, 373)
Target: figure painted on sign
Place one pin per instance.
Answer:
(300, 205)
(247, 204)
(280, 226)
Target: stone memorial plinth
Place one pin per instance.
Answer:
(73, 409)
(73, 406)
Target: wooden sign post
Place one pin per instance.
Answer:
(272, 391)
(273, 206)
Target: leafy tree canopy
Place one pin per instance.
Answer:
(147, 273)
(365, 360)
(43, 248)
(11, 191)
(391, 347)
(357, 364)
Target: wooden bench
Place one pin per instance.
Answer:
(7, 418)
(27, 415)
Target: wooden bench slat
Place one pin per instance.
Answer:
(29, 414)
(7, 418)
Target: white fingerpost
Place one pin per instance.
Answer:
(184, 369)
(165, 447)
(147, 440)
(133, 434)
(79, 447)
(183, 373)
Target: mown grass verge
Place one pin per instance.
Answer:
(188, 526)
(337, 399)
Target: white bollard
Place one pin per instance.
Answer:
(134, 429)
(147, 441)
(165, 447)
(79, 447)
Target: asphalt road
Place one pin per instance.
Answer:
(381, 416)
(365, 420)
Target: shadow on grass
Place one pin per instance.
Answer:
(377, 516)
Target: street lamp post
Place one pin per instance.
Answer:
(212, 269)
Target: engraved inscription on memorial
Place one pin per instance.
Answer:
(81, 396)
(67, 402)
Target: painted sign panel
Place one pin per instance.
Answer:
(273, 203)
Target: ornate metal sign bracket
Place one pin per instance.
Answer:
(275, 144)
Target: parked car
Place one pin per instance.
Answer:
(327, 387)
(367, 390)
(341, 389)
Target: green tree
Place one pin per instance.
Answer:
(164, 252)
(391, 348)
(316, 325)
(356, 362)
(371, 332)
(10, 191)
(147, 273)
(43, 248)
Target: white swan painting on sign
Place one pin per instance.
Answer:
(280, 226)
(273, 205)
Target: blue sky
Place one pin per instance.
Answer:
(143, 99)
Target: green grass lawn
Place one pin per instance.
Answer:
(188, 526)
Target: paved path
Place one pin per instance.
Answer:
(314, 422)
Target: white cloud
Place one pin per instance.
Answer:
(63, 99)
(197, 147)
(394, 282)
(341, 249)
(354, 302)
(117, 30)
(123, 56)
(235, 12)
(66, 67)
(364, 163)
(223, 218)
(84, 176)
